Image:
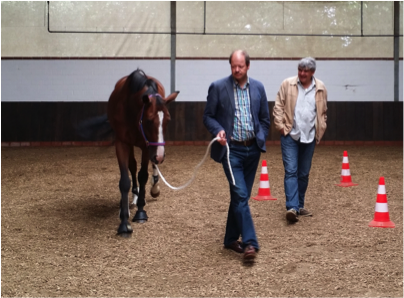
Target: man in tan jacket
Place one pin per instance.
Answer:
(300, 115)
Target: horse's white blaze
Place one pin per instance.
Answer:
(160, 149)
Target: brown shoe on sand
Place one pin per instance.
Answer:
(236, 246)
(304, 212)
(249, 253)
(291, 215)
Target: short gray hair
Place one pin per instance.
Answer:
(307, 63)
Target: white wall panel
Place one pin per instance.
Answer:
(94, 80)
(345, 80)
(194, 77)
(72, 80)
(358, 80)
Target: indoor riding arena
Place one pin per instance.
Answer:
(60, 188)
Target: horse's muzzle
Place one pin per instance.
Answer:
(156, 160)
(158, 156)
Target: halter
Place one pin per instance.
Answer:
(141, 127)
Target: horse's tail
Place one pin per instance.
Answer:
(95, 129)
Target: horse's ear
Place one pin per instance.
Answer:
(145, 98)
(171, 97)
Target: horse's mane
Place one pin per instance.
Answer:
(138, 79)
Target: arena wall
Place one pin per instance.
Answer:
(60, 61)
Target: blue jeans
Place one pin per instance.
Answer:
(297, 159)
(244, 162)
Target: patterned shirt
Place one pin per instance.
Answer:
(243, 122)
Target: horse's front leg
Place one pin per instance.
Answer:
(122, 153)
(155, 188)
(133, 169)
(143, 176)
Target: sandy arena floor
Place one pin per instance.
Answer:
(59, 216)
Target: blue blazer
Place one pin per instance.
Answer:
(220, 109)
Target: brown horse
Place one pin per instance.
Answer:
(138, 114)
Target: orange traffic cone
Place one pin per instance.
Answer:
(346, 180)
(382, 217)
(264, 192)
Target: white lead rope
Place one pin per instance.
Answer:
(197, 167)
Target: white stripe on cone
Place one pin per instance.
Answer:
(264, 170)
(381, 190)
(381, 207)
(264, 184)
(345, 159)
(345, 172)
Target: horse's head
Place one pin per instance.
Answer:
(153, 123)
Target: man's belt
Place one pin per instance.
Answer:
(243, 143)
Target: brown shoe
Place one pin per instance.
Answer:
(291, 215)
(304, 212)
(236, 246)
(249, 253)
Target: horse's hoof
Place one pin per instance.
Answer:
(139, 221)
(124, 228)
(125, 235)
(155, 190)
(155, 195)
(140, 216)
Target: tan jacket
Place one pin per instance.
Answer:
(285, 103)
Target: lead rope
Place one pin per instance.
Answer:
(197, 167)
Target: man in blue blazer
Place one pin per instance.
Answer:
(237, 113)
